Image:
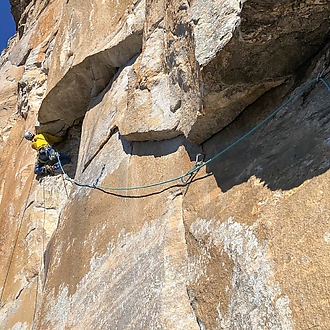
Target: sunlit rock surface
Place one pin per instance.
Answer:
(140, 91)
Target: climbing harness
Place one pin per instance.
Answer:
(199, 162)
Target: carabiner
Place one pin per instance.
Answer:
(199, 162)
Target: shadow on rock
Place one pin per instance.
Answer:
(291, 148)
(160, 148)
(70, 146)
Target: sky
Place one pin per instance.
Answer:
(7, 24)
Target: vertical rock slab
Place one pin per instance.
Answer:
(164, 95)
(131, 247)
(24, 275)
(182, 65)
(148, 115)
(101, 119)
(256, 233)
(247, 267)
(9, 77)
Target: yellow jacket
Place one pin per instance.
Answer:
(43, 140)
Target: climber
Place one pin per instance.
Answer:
(47, 161)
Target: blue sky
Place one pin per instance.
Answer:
(7, 24)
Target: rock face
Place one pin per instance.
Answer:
(18, 7)
(142, 91)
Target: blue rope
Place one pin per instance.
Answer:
(325, 83)
(185, 178)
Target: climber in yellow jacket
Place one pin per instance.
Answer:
(47, 161)
(41, 140)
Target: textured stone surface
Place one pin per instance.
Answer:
(24, 280)
(89, 49)
(259, 226)
(9, 77)
(261, 251)
(210, 59)
(270, 41)
(164, 96)
(245, 244)
(214, 24)
(145, 288)
(18, 7)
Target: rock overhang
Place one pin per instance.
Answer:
(199, 85)
(69, 99)
(89, 51)
(267, 43)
